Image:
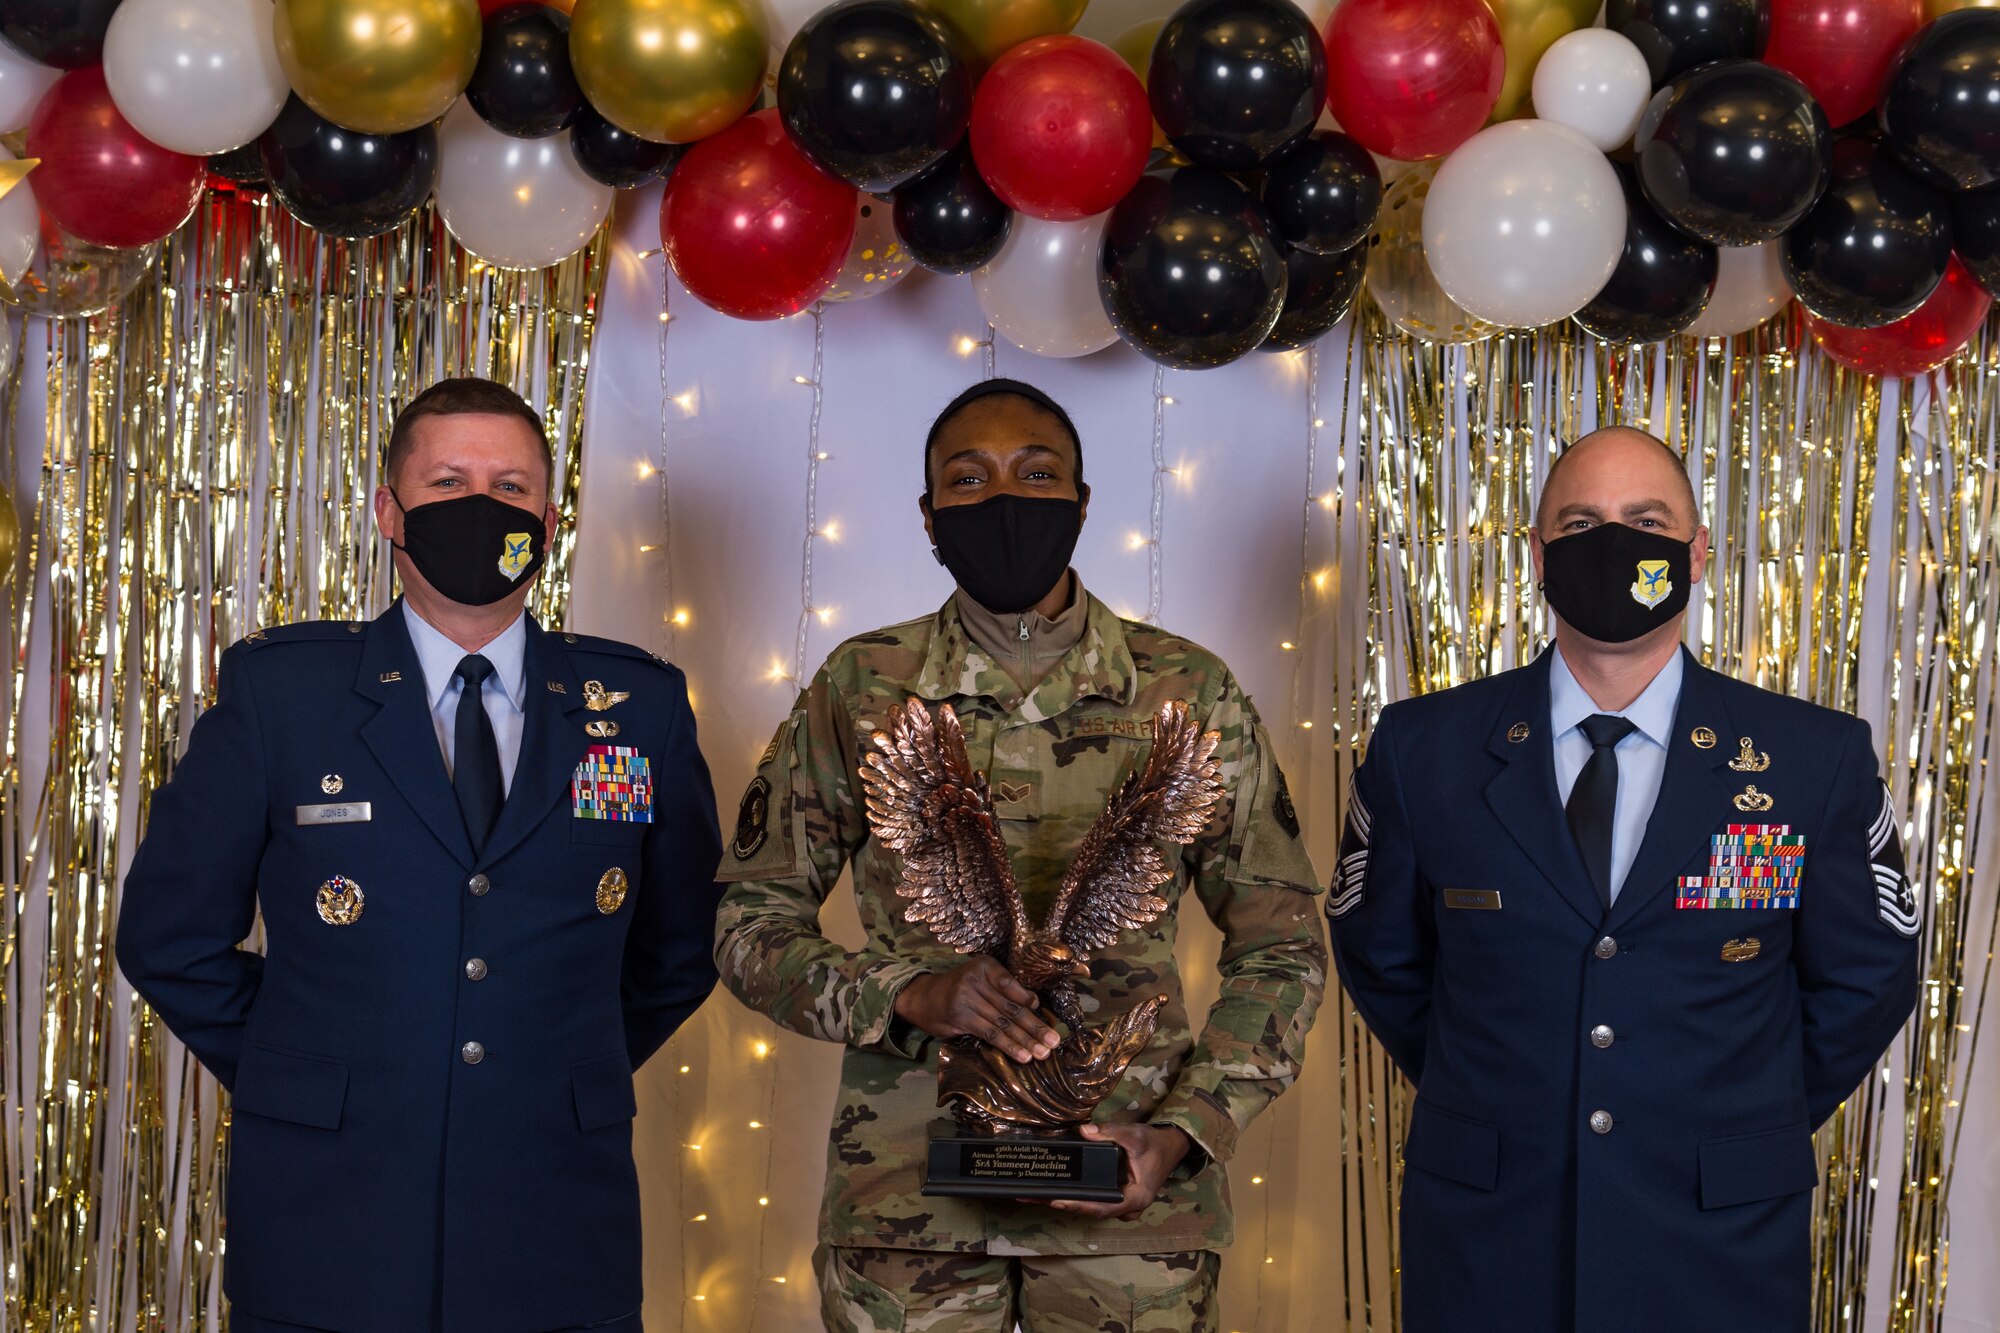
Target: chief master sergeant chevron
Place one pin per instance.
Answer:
(1540, 911)
(484, 854)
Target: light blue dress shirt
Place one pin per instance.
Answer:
(504, 693)
(1642, 755)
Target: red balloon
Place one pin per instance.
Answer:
(1061, 128)
(1413, 79)
(751, 227)
(1841, 49)
(100, 179)
(1918, 342)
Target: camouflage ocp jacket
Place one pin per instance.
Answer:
(1052, 756)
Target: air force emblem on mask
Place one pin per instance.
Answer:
(1652, 586)
(514, 553)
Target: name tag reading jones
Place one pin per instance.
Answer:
(350, 812)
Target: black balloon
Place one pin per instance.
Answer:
(1734, 152)
(1323, 193)
(874, 92)
(1190, 273)
(1319, 291)
(243, 165)
(1677, 35)
(1874, 247)
(1975, 232)
(1941, 104)
(948, 219)
(615, 157)
(343, 183)
(1236, 82)
(523, 84)
(68, 34)
(1663, 280)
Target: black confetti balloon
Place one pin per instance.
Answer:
(68, 34)
(1874, 247)
(619, 158)
(243, 165)
(1734, 152)
(1677, 35)
(523, 84)
(1941, 104)
(948, 219)
(1663, 280)
(874, 92)
(343, 183)
(1319, 291)
(1323, 193)
(1191, 274)
(1236, 82)
(1975, 232)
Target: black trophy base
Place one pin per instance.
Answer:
(1021, 1166)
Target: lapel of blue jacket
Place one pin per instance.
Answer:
(1523, 794)
(550, 743)
(402, 734)
(1693, 789)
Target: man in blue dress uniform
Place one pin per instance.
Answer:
(484, 854)
(1634, 929)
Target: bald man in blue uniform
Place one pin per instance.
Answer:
(484, 857)
(1634, 929)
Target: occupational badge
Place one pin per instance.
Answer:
(1750, 759)
(613, 782)
(1743, 950)
(596, 698)
(1749, 866)
(603, 728)
(340, 901)
(332, 783)
(1652, 586)
(611, 888)
(1017, 1124)
(753, 819)
(514, 553)
(1752, 801)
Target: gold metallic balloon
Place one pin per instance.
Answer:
(1934, 8)
(378, 66)
(1528, 28)
(669, 70)
(1399, 277)
(1135, 47)
(992, 27)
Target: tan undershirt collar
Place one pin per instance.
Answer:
(1028, 645)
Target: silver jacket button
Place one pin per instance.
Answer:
(1600, 1122)
(472, 1053)
(1600, 1036)
(479, 884)
(1606, 947)
(475, 970)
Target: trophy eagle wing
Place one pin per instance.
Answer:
(925, 801)
(1110, 885)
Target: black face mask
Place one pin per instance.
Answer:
(1007, 552)
(473, 549)
(1613, 583)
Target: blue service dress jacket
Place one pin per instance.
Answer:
(1612, 1127)
(432, 1059)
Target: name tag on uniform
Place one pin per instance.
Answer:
(1478, 900)
(348, 812)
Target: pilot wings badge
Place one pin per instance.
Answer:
(926, 802)
(514, 553)
(1652, 586)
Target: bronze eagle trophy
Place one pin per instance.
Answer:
(927, 803)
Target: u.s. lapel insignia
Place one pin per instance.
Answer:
(1743, 950)
(1652, 586)
(611, 889)
(388, 677)
(1752, 800)
(1517, 733)
(340, 901)
(596, 698)
(603, 728)
(556, 687)
(1750, 759)
(1703, 738)
(332, 783)
(514, 553)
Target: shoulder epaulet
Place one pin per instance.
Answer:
(591, 643)
(303, 631)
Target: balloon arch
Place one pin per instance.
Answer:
(1218, 181)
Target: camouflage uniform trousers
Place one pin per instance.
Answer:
(927, 1291)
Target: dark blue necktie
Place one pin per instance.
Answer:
(475, 771)
(1593, 801)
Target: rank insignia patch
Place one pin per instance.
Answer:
(613, 782)
(753, 820)
(1652, 586)
(1751, 865)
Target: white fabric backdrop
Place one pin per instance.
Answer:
(721, 410)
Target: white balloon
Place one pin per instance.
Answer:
(1750, 287)
(20, 227)
(22, 83)
(1524, 223)
(196, 76)
(1594, 81)
(516, 203)
(1040, 291)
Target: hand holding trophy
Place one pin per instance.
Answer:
(1018, 1122)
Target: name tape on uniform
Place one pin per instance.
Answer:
(347, 812)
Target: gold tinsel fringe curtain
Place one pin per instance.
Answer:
(211, 450)
(1856, 532)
